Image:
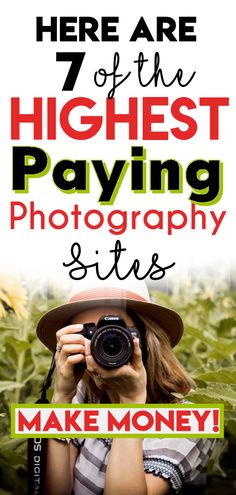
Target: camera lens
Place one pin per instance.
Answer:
(112, 346)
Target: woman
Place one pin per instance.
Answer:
(122, 466)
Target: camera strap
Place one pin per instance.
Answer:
(37, 447)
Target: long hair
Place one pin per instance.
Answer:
(165, 374)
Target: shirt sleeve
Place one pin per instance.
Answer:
(179, 460)
(79, 398)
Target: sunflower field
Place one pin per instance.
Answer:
(207, 351)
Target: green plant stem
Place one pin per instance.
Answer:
(19, 374)
(20, 363)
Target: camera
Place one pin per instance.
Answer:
(111, 340)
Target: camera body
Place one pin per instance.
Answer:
(111, 340)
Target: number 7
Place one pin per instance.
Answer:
(76, 59)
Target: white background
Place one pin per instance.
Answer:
(29, 69)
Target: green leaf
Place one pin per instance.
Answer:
(222, 375)
(16, 444)
(213, 394)
(4, 492)
(200, 383)
(225, 347)
(7, 367)
(226, 325)
(8, 385)
(12, 457)
(6, 326)
(231, 428)
(18, 345)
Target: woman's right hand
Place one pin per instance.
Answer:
(71, 352)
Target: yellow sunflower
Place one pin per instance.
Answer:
(13, 297)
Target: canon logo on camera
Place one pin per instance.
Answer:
(111, 317)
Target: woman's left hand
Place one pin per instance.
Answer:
(129, 381)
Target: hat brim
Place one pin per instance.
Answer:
(58, 317)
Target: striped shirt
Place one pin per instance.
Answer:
(179, 460)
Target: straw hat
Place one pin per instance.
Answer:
(134, 298)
